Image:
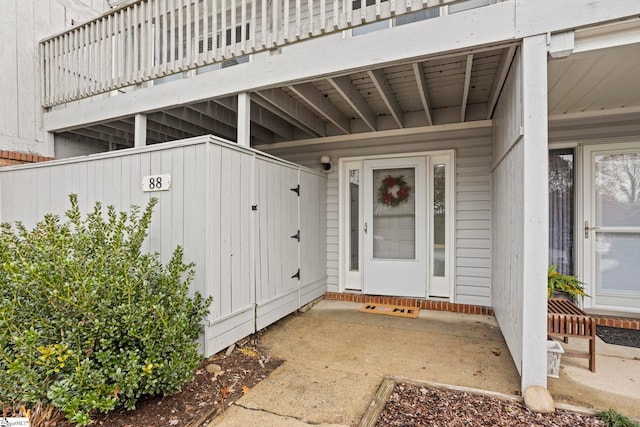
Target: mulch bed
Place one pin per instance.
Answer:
(219, 381)
(619, 336)
(411, 405)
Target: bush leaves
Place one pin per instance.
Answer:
(89, 322)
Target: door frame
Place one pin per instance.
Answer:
(446, 157)
(585, 210)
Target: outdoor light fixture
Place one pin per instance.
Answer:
(326, 162)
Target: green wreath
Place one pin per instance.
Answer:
(386, 194)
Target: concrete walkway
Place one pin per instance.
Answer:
(335, 359)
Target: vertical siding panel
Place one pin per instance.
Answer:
(136, 170)
(262, 292)
(216, 279)
(225, 183)
(177, 199)
(126, 182)
(162, 165)
(145, 169)
(247, 247)
(236, 226)
(193, 208)
(43, 189)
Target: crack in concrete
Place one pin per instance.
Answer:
(302, 420)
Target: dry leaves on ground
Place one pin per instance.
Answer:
(411, 405)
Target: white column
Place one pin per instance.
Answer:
(536, 211)
(244, 119)
(140, 131)
(49, 144)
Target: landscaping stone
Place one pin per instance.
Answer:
(538, 399)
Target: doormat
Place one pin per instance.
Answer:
(391, 310)
(619, 336)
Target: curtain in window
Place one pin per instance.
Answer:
(561, 209)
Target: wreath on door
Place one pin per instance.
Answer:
(393, 190)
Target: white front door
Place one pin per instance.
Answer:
(612, 226)
(395, 226)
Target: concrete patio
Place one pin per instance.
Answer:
(336, 357)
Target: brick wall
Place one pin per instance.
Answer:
(9, 158)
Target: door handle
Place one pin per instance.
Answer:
(365, 228)
(587, 229)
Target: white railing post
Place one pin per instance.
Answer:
(180, 57)
(253, 24)
(194, 37)
(264, 27)
(243, 27)
(214, 31)
(147, 39)
(172, 37)
(310, 17)
(234, 22)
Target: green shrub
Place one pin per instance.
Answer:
(613, 418)
(89, 322)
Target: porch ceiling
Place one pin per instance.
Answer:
(452, 89)
(593, 81)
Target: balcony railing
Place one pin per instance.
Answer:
(149, 39)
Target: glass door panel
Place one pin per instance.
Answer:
(612, 227)
(394, 231)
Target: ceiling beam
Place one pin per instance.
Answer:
(418, 72)
(156, 123)
(388, 97)
(96, 136)
(122, 125)
(501, 75)
(316, 100)
(117, 132)
(228, 117)
(261, 117)
(192, 122)
(290, 109)
(351, 95)
(467, 83)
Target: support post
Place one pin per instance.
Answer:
(244, 120)
(536, 211)
(49, 144)
(140, 131)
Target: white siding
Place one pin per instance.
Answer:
(22, 25)
(473, 207)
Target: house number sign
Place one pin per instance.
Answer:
(156, 183)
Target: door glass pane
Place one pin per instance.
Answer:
(617, 256)
(354, 218)
(561, 209)
(439, 215)
(394, 212)
(618, 189)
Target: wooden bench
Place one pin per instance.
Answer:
(566, 320)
